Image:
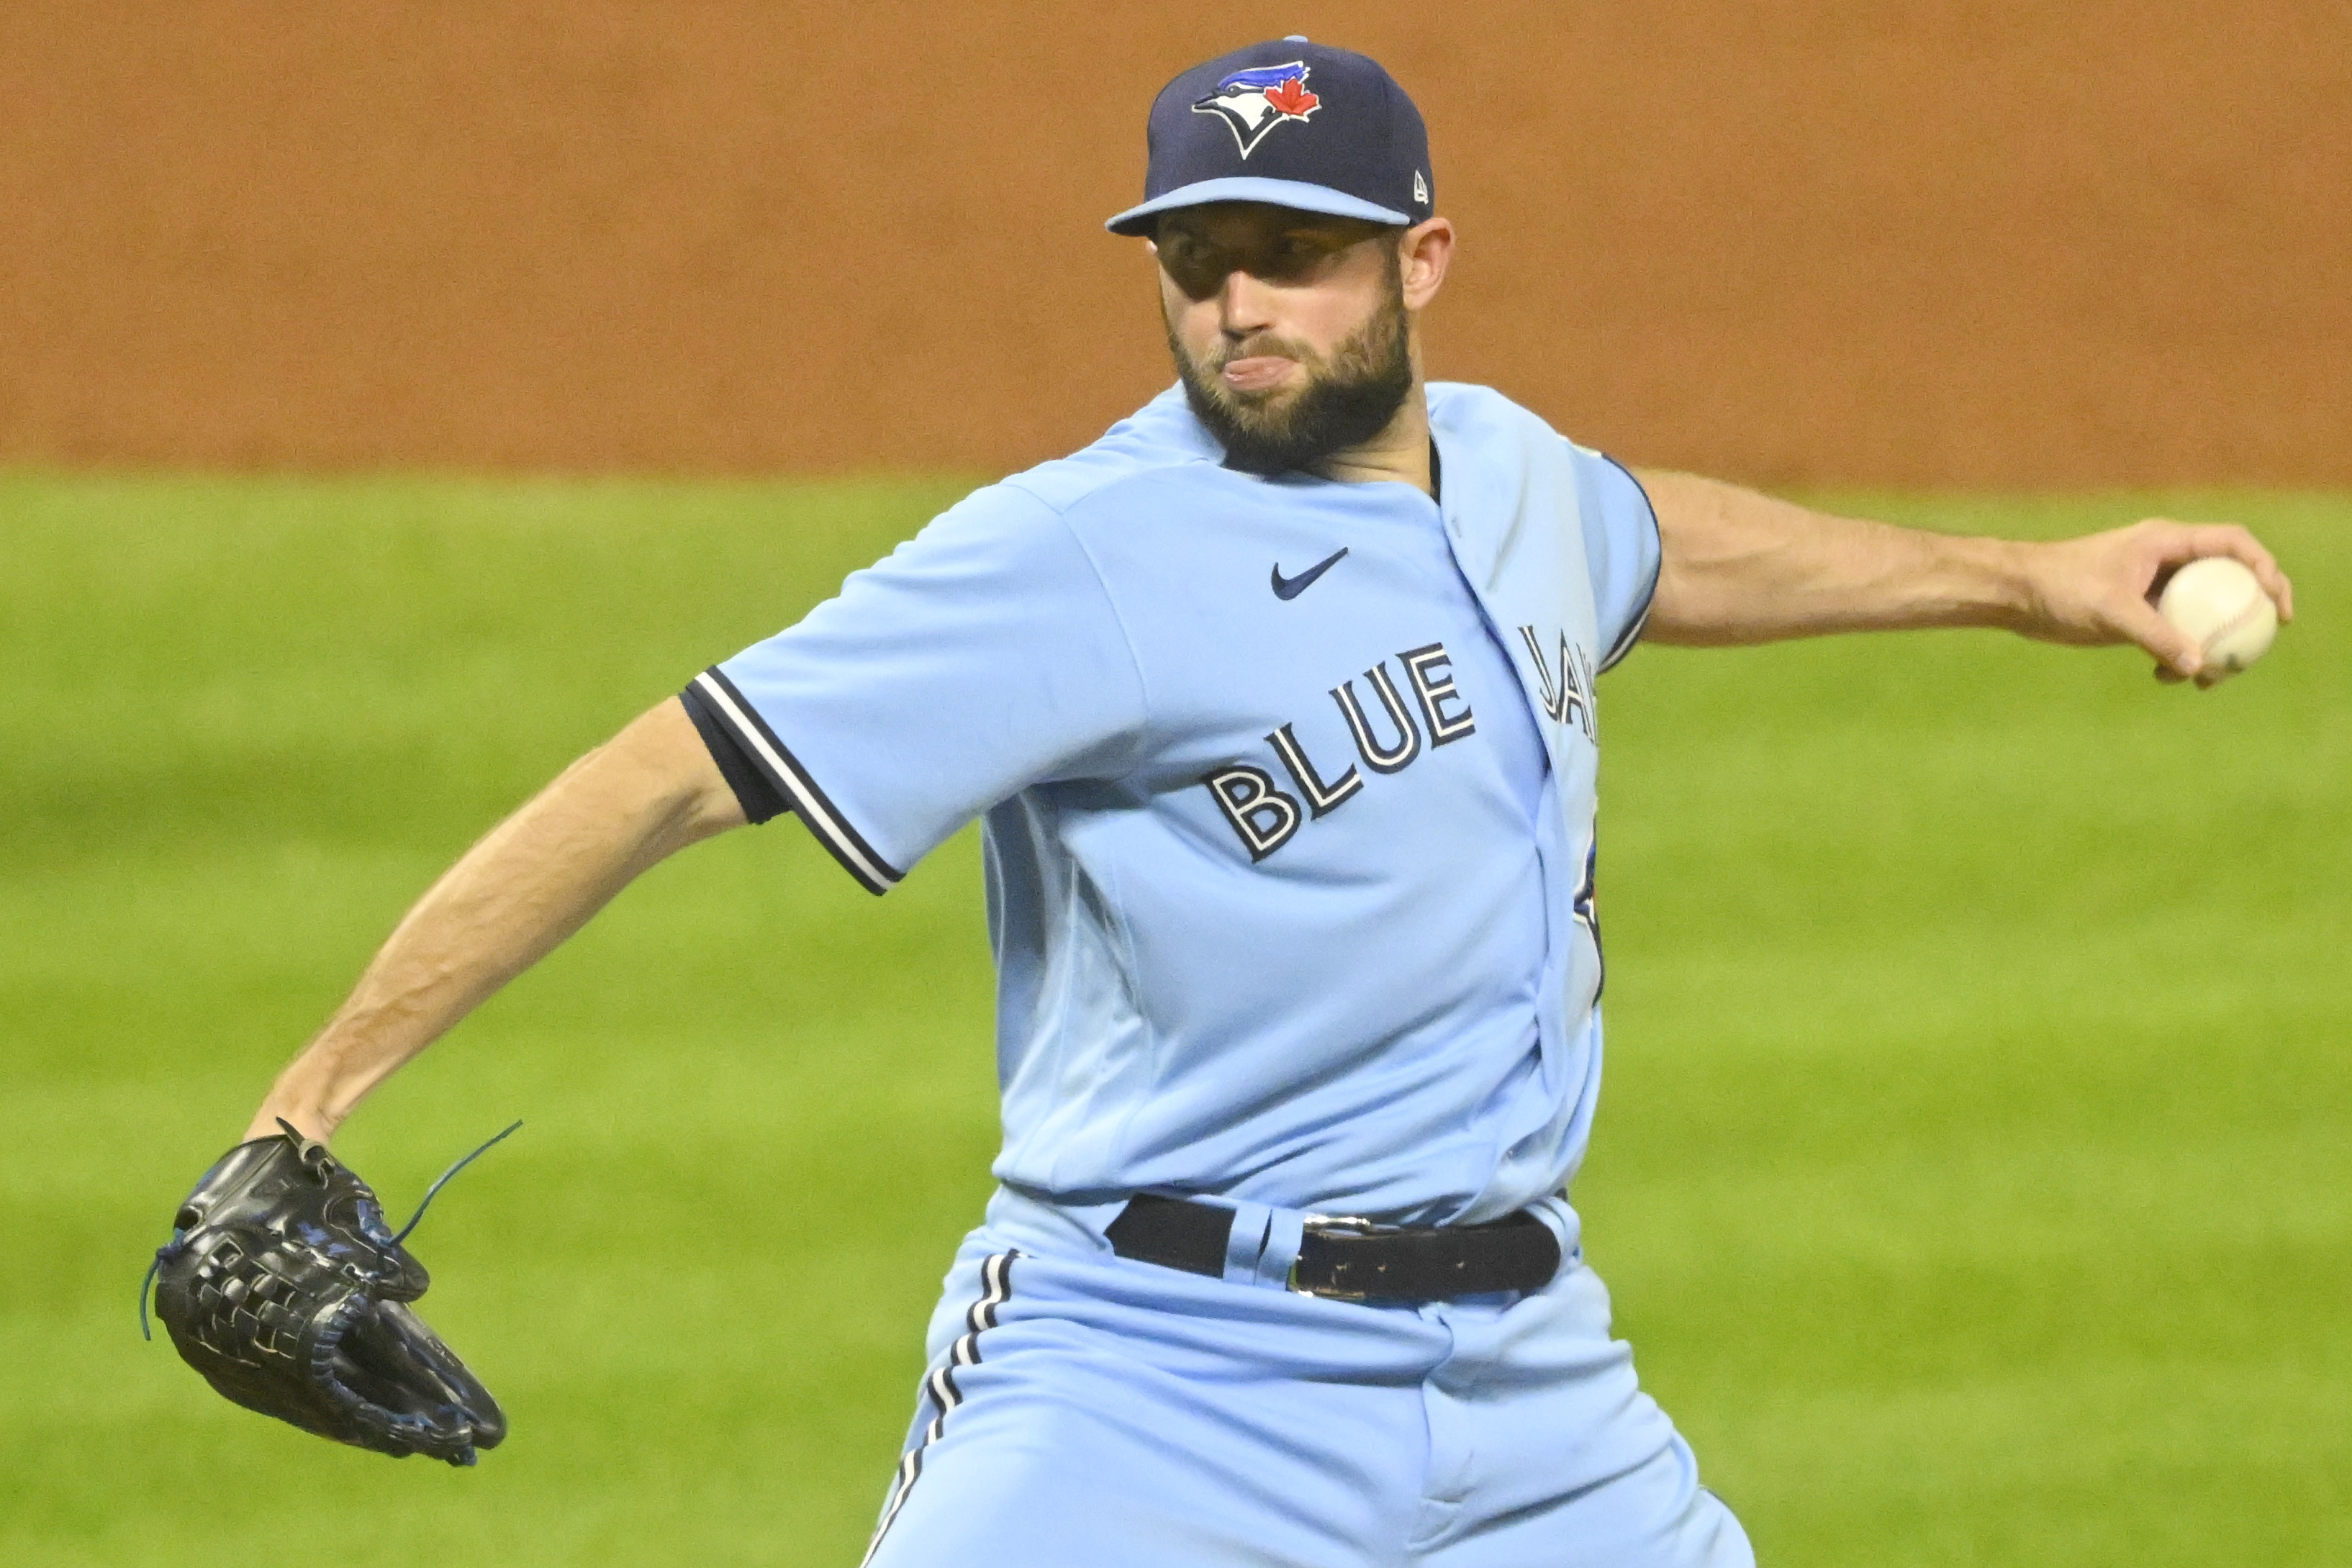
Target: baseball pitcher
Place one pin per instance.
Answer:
(1279, 705)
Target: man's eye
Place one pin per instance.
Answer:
(1298, 255)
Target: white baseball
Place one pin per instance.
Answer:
(2217, 601)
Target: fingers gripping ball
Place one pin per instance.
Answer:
(283, 1285)
(2217, 601)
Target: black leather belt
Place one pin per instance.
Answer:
(1351, 1259)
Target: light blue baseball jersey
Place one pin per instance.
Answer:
(1287, 787)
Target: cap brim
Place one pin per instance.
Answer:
(1136, 221)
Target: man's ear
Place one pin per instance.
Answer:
(1423, 253)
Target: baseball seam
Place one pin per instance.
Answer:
(2234, 624)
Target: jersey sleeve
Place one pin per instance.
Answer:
(980, 658)
(1621, 549)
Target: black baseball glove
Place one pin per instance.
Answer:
(283, 1285)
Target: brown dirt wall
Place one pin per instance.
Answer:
(1988, 243)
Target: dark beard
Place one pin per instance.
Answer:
(1347, 399)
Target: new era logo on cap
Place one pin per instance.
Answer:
(1292, 123)
(1254, 102)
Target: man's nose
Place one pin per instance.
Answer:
(1244, 304)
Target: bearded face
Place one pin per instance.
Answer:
(1347, 397)
(1289, 331)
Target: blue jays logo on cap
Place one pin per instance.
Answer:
(1253, 102)
(1366, 156)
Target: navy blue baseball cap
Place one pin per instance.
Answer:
(1289, 122)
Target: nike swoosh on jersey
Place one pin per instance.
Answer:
(1292, 587)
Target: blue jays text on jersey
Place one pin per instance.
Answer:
(1289, 891)
(1266, 817)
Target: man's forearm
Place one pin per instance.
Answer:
(1742, 566)
(514, 896)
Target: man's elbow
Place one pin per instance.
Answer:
(661, 768)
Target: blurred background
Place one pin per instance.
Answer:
(396, 398)
(1976, 242)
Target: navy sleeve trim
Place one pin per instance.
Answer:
(761, 801)
(784, 771)
(1632, 633)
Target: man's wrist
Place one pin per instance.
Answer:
(2001, 584)
(310, 1121)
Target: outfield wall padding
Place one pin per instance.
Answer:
(1991, 244)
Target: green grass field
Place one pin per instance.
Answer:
(1974, 1176)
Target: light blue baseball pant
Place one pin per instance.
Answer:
(1082, 1408)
